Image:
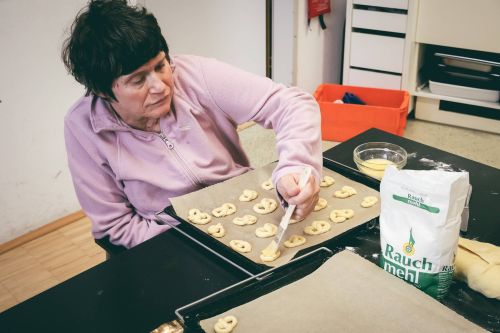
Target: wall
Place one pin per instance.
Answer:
(319, 52)
(35, 91)
(231, 31)
(283, 41)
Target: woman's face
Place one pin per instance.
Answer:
(145, 95)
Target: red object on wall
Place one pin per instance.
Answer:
(317, 8)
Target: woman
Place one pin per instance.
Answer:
(152, 126)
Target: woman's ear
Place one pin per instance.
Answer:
(106, 97)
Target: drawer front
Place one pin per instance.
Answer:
(372, 79)
(371, 19)
(399, 4)
(377, 52)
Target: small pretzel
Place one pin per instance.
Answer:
(265, 206)
(341, 215)
(295, 240)
(369, 201)
(248, 195)
(268, 230)
(292, 221)
(320, 205)
(245, 220)
(317, 227)
(240, 246)
(267, 185)
(224, 210)
(345, 192)
(270, 253)
(198, 217)
(217, 230)
(326, 181)
(226, 324)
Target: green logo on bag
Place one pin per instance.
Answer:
(417, 202)
(409, 247)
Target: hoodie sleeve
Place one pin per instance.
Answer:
(292, 113)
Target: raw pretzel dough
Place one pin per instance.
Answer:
(369, 201)
(268, 254)
(226, 324)
(217, 230)
(248, 195)
(268, 230)
(326, 181)
(320, 205)
(341, 215)
(224, 210)
(198, 217)
(317, 227)
(240, 246)
(295, 240)
(478, 264)
(265, 206)
(267, 185)
(245, 220)
(292, 221)
(345, 192)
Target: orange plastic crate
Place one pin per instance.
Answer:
(385, 109)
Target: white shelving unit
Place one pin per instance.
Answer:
(465, 24)
(385, 42)
(378, 40)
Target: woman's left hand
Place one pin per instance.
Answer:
(304, 199)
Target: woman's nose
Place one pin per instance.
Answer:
(156, 84)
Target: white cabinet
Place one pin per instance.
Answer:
(473, 25)
(364, 78)
(463, 24)
(378, 43)
(382, 21)
(376, 52)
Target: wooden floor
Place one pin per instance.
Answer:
(33, 267)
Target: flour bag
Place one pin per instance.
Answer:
(420, 224)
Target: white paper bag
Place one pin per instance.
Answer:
(420, 224)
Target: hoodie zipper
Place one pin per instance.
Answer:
(188, 171)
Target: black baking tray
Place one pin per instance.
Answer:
(251, 288)
(256, 268)
(244, 262)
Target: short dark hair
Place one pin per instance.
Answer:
(108, 39)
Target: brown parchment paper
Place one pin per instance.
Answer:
(346, 294)
(229, 191)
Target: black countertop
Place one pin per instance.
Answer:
(139, 289)
(135, 291)
(484, 222)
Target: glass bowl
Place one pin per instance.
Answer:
(372, 158)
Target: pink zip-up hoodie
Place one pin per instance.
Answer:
(123, 176)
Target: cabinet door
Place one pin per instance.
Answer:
(377, 52)
(375, 20)
(473, 25)
(363, 78)
(399, 4)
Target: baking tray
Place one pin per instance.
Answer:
(253, 266)
(345, 294)
(253, 287)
